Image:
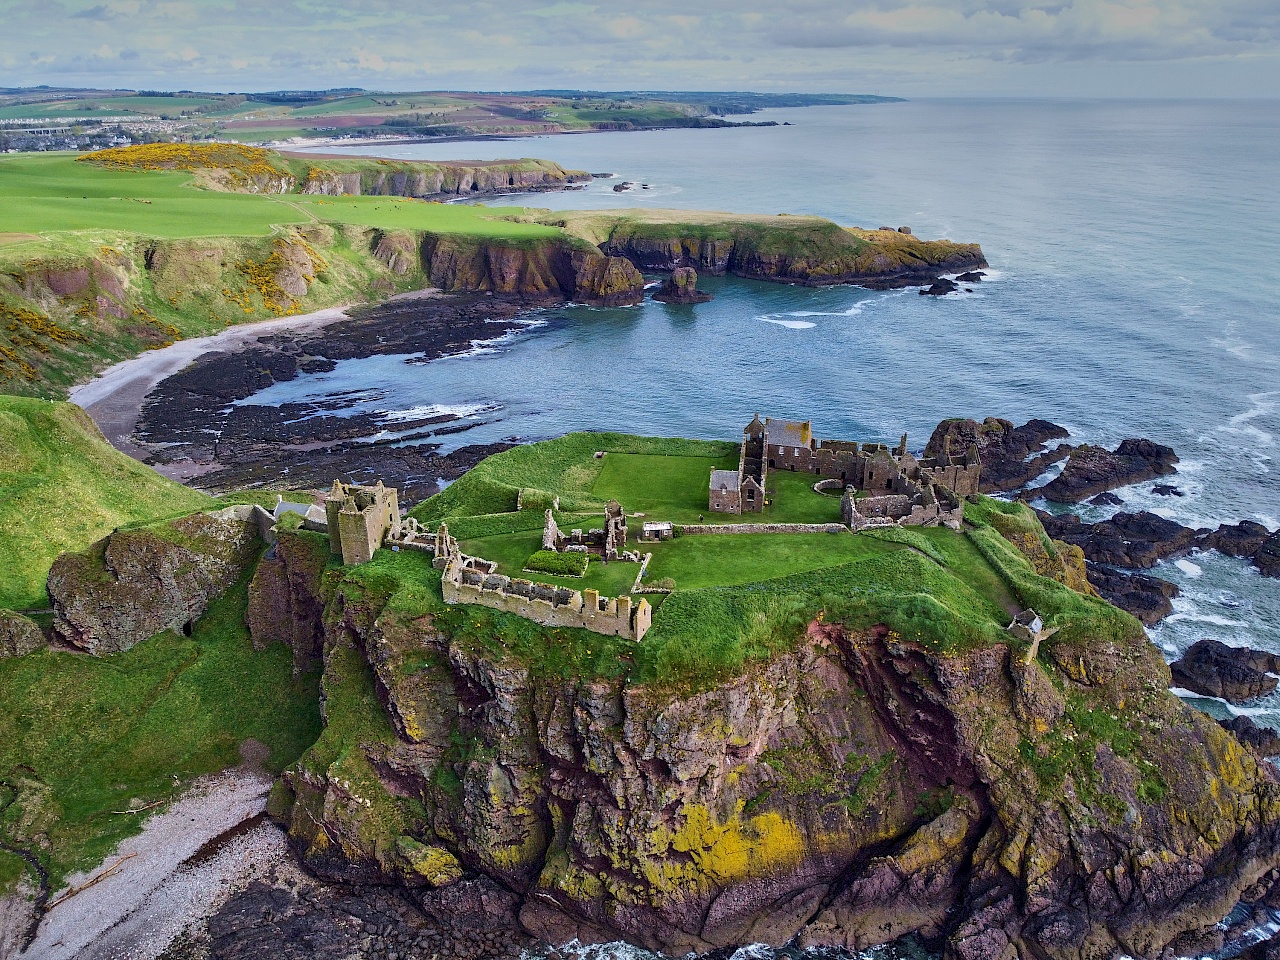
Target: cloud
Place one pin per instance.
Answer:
(844, 45)
(100, 12)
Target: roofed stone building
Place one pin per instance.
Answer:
(888, 483)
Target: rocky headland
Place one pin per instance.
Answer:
(854, 790)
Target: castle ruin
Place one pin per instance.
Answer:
(472, 580)
(360, 519)
(881, 485)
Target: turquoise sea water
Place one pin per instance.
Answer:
(1135, 291)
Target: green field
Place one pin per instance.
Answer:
(62, 487)
(46, 193)
(728, 560)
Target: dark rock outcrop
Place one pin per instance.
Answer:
(19, 635)
(1147, 598)
(290, 917)
(939, 288)
(1134, 540)
(855, 789)
(1243, 539)
(1011, 456)
(682, 287)
(134, 584)
(1093, 470)
(1236, 674)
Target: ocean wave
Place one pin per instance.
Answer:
(790, 324)
(1189, 568)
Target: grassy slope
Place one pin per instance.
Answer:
(61, 488)
(93, 734)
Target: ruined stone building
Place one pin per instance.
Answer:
(360, 519)
(881, 484)
(610, 543)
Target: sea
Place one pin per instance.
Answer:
(1134, 291)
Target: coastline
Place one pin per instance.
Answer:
(114, 397)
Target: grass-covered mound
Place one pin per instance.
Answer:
(62, 487)
(744, 597)
(84, 737)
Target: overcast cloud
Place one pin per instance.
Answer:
(907, 47)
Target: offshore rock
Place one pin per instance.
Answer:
(1150, 599)
(19, 635)
(940, 288)
(857, 788)
(1236, 674)
(1011, 457)
(1135, 540)
(1250, 540)
(1093, 470)
(682, 287)
(133, 584)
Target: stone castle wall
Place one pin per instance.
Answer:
(694, 529)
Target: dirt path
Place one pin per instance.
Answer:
(186, 858)
(114, 398)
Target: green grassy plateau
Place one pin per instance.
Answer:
(741, 597)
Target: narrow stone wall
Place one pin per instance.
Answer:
(693, 529)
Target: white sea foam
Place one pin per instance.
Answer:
(790, 324)
(422, 411)
(1209, 618)
(1263, 404)
(1189, 568)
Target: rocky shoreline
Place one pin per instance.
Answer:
(192, 427)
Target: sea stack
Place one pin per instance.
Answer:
(682, 287)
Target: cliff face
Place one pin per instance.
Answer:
(427, 180)
(856, 789)
(550, 270)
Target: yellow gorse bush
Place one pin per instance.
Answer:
(243, 163)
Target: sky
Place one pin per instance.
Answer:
(1087, 48)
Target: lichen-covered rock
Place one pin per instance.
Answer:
(135, 583)
(855, 789)
(18, 635)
